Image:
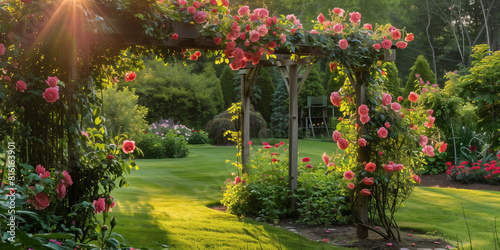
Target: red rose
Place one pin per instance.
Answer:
(473, 148)
(193, 57)
(51, 94)
(20, 86)
(443, 147)
(321, 18)
(110, 157)
(400, 98)
(237, 64)
(130, 76)
(362, 142)
(367, 26)
(238, 54)
(343, 143)
(196, 4)
(365, 192)
(368, 181)
(388, 168)
(128, 146)
(67, 178)
(217, 40)
(306, 159)
(370, 167)
(237, 180)
(335, 99)
(409, 37)
(61, 191)
(175, 36)
(267, 146)
(41, 201)
(413, 97)
(386, 44)
(343, 44)
(348, 175)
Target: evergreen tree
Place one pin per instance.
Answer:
(421, 68)
(265, 83)
(227, 82)
(393, 83)
(279, 117)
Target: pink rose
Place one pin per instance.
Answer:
(400, 98)
(20, 86)
(355, 17)
(262, 30)
(130, 76)
(343, 44)
(237, 64)
(386, 99)
(40, 169)
(351, 185)
(249, 56)
(335, 99)
(237, 180)
(395, 34)
(51, 94)
(213, 2)
(382, 132)
(200, 17)
(41, 201)
(182, 2)
(413, 97)
(362, 142)
(326, 158)
(231, 45)
(217, 40)
(67, 178)
(370, 167)
(401, 45)
(388, 168)
(416, 178)
(338, 28)
(61, 191)
(396, 106)
(364, 119)
(348, 175)
(398, 167)
(430, 122)
(321, 18)
(377, 46)
(44, 175)
(429, 150)
(254, 18)
(336, 135)
(306, 159)
(387, 125)
(254, 36)
(343, 143)
(368, 181)
(363, 109)
(2, 49)
(365, 192)
(110, 157)
(423, 140)
(386, 44)
(338, 11)
(367, 26)
(191, 9)
(99, 205)
(128, 146)
(238, 54)
(269, 22)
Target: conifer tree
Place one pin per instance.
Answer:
(227, 82)
(421, 68)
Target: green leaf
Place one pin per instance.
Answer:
(55, 236)
(98, 120)
(39, 188)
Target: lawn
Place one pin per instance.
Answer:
(166, 204)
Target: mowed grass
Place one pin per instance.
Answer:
(166, 204)
(440, 209)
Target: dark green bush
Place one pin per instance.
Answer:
(175, 146)
(168, 146)
(198, 137)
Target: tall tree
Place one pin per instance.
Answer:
(265, 83)
(227, 82)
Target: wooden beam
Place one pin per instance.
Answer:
(293, 133)
(248, 80)
(304, 77)
(284, 73)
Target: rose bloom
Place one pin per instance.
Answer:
(67, 178)
(343, 44)
(370, 167)
(200, 17)
(238, 54)
(99, 205)
(306, 159)
(473, 148)
(335, 99)
(386, 99)
(401, 45)
(243, 11)
(365, 192)
(237, 64)
(61, 191)
(182, 2)
(321, 18)
(262, 30)
(51, 94)
(338, 28)
(44, 175)
(429, 150)
(388, 168)
(364, 119)
(355, 17)
(351, 185)
(416, 178)
(113, 204)
(382, 132)
(409, 37)
(326, 158)
(130, 76)
(430, 123)
(443, 147)
(267, 146)
(413, 97)
(387, 125)
(396, 106)
(191, 9)
(128, 146)
(423, 140)
(395, 34)
(175, 36)
(20, 86)
(110, 157)
(362, 142)
(254, 36)
(398, 167)
(368, 181)
(40, 169)
(2, 49)
(386, 44)
(338, 11)
(237, 180)
(249, 56)
(348, 175)
(367, 26)
(343, 143)
(336, 135)
(41, 201)
(363, 109)
(377, 46)
(400, 98)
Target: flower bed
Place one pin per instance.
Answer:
(475, 172)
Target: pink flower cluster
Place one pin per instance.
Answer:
(341, 142)
(42, 200)
(51, 94)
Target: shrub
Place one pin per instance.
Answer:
(421, 68)
(165, 139)
(198, 137)
(175, 146)
(151, 146)
(435, 165)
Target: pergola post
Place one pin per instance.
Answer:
(248, 79)
(293, 129)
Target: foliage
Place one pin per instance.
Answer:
(224, 122)
(165, 139)
(392, 84)
(198, 137)
(267, 88)
(435, 165)
(421, 70)
(471, 146)
(481, 88)
(227, 82)
(193, 99)
(123, 114)
(279, 117)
